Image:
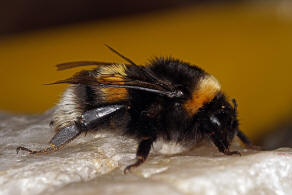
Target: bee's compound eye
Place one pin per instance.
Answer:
(215, 120)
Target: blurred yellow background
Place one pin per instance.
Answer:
(246, 47)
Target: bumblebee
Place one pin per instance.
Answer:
(165, 99)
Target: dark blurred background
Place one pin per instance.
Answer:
(20, 16)
(246, 45)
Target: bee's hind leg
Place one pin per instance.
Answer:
(52, 148)
(61, 138)
(88, 120)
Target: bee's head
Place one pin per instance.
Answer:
(220, 122)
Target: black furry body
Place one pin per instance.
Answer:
(160, 117)
(152, 115)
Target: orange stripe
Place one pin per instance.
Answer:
(113, 94)
(206, 90)
(113, 75)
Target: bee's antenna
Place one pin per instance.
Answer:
(234, 105)
(119, 54)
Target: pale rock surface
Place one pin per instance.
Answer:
(94, 164)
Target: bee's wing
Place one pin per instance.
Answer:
(118, 81)
(152, 85)
(69, 65)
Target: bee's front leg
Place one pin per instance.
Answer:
(248, 144)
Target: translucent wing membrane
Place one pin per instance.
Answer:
(69, 65)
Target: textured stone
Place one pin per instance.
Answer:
(94, 164)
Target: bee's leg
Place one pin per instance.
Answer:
(243, 137)
(51, 124)
(142, 153)
(92, 118)
(61, 138)
(246, 141)
(88, 120)
(222, 146)
(227, 152)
